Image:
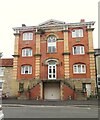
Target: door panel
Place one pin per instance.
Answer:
(52, 91)
(88, 89)
(52, 71)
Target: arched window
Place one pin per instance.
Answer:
(26, 52)
(51, 44)
(78, 50)
(79, 68)
(26, 69)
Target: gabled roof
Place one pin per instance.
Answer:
(7, 62)
(52, 22)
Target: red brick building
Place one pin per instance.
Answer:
(54, 60)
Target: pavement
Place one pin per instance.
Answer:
(50, 102)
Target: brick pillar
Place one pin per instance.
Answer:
(37, 56)
(92, 59)
(14, 83)
(66, 54)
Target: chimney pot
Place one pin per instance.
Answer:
(23, 25)
(82, 20)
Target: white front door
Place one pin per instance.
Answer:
(88, 89)
(52, 71)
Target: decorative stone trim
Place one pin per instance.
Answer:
(66, 53)
(90, 52)
(89, 29)
(65, 30)
(16, 55)
(37, 54)
(60, 39)
(38, 32)
(16, 33)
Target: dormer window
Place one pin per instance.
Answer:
(77, 33)
(28, 36)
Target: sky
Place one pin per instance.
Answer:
(14, 13)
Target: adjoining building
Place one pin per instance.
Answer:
(97, 56)
(54, 60)
(6, 76)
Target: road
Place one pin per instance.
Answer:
(31, 111)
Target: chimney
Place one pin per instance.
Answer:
(82, 20)
(23, 25)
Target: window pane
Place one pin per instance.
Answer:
(83, 68)
(1, 71)
(26, 69)
(27, 52)
(49, 76)
(49, 70)
(54, 76)
(79, 68)
(53, 70)
(30, 69)
(75, 50)
(51, 44)
(82, 49)
(27, 36)
(77, 33)
(75, 69)
(78, 50)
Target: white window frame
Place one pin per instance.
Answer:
(26, 52)
(51, 44)
(52, 74)
(77, 33)
(1, 71)
(79, 68)
(79, 50)
(26, 69)
(28, 36)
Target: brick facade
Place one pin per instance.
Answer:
(63, 57)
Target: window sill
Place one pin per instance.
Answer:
(26, 56)
(25, 74)
(79, 73)
(79, 54)
(52, 53)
